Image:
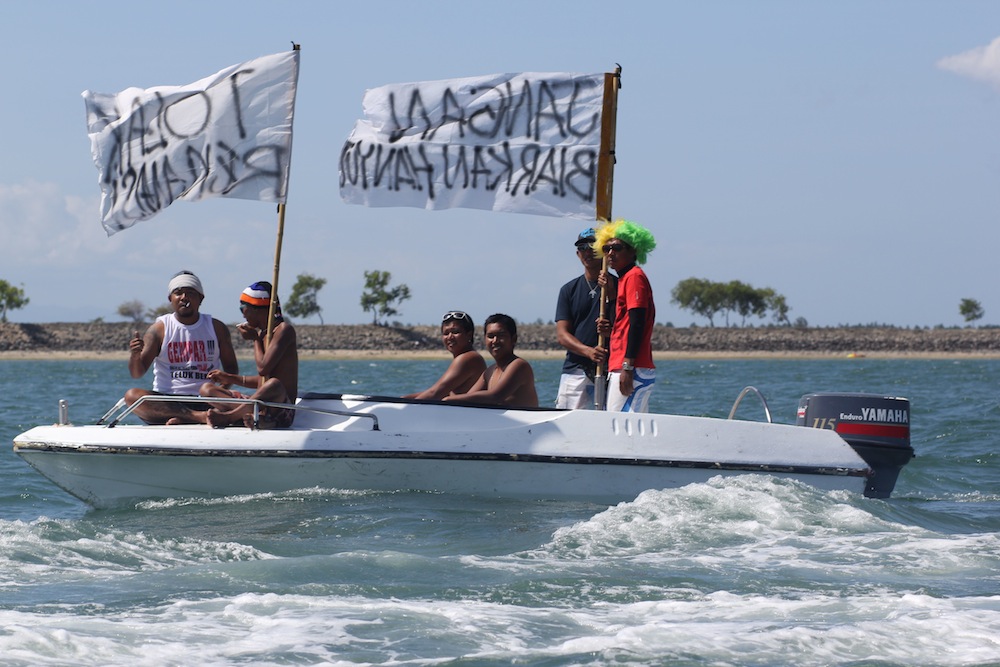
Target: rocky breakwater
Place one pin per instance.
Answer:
(109, 337)
(858, 340)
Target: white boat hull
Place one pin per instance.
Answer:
(543, 454)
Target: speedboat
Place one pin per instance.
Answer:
(379, 443)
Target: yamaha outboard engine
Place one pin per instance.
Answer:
(876, 426)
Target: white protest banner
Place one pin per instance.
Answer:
(227, 135)
(519, 143)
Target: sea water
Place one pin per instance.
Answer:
(749, 570)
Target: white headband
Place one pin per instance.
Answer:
(185, 280)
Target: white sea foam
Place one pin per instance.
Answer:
(762, 528)
(720, 628)
(294, 495)
(46, 552)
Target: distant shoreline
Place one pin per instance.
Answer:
(533, 355)
(104, 340)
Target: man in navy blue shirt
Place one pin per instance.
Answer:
(577, 310)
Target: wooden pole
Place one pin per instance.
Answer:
(606, 159)
(274, 276)
(277, 245)
(605, 189)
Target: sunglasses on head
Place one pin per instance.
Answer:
(616, 247)
(453, 315)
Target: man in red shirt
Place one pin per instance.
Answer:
(630, 362)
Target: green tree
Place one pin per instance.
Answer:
(132, 310)
(11, 298)
(707, 298)
(970, 309)
(700, 296)
(776, 304)
(302, 302)
(378, 299)
(744, 300)
(162, 309)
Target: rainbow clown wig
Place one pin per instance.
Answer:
(637, 236)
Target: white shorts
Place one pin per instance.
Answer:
(643, 380)
(576, 392)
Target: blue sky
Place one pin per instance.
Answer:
(845, 154)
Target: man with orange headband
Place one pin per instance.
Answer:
(182, 347)
(630, 361)
(277, 380)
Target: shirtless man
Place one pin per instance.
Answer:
(277, 367)
(510, 381)
(182, 347)
(458, 334)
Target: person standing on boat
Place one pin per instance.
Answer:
(577, 310)
(183, 347)
(510, 381)
(458, 334)
(277, 380)
(633, 374)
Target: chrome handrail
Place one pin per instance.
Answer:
(256, 409)
(763, 401)
(118, 406)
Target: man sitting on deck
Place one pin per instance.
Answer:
(182, 347)
(277, 366)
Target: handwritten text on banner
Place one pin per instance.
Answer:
(227, 135)
(520, 143)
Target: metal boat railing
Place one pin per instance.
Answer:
(120, 413)
(751, 390)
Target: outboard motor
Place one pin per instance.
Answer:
(876, 426)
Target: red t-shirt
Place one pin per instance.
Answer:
(634, 291)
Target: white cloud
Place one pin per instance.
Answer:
(981, 63)
(43, 226)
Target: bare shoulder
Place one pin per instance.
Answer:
(471, 359)
(156, 330)
(521, 367)
(284, 330)
(221, 328)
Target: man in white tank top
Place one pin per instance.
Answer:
(182, 347)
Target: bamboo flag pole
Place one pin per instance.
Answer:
(605, 187)
(274, 276)
(272, 308)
